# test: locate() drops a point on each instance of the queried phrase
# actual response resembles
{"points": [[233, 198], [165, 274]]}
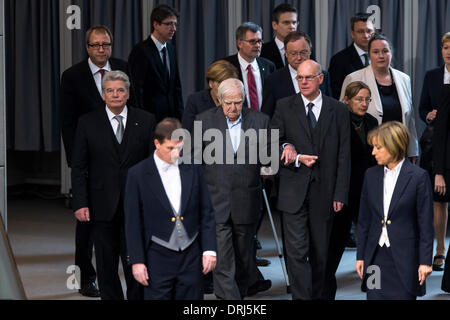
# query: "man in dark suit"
{"points": [[249, 41], [284, 21], [80, 93], [315, 134], [108, 141], [354, 57], [154, 68], [235, 188], [169, 221], [283, 83]]}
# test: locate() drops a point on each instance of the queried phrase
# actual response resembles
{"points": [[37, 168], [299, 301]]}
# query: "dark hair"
{"points": [[354, 88], [297, 35], [359, 17], [379, 36], [160, 13], [282, 8], [247, 26], [166, 128], [99, 29]]}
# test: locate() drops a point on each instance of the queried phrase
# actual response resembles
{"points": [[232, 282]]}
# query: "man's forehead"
{"points": [[251, 34], [114, 83]]}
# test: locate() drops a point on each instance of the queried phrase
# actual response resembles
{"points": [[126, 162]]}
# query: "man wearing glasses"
{"points": [[252, 69], [354, 57], [154, 68], [314, 177], [283, 83], [284, 21], [80, 93]]}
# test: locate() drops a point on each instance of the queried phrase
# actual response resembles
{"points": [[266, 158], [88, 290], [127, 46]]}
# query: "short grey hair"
{"points": [[114, 76], [229, 85], [247, 26]]}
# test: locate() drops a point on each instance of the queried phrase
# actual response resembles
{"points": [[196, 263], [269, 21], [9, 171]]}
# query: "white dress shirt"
{"points": [[316, 110], [255, 67], [96, 74], [294, 79], [170, 176], [389, 182], [281, 48], [446, 75], [115, 122], [361, 53], [235, 132], [160, 46], [171, 179]]}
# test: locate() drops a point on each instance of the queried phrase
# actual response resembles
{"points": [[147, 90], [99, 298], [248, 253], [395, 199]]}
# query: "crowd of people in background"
{"points": [[349, 165]]}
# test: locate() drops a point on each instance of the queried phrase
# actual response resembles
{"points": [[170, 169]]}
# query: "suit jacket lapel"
{"points": [[157, 58], [356, 58], [262, 70], [325, 119], [287, 82], [130, 130], [186, 176], [300, 112], [403, 179], [110, 137], [378, 190], [92, 87], [155, 184]]}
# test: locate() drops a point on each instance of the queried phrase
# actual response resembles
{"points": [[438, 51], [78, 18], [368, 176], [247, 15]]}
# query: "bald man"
{"points": [[314, 177]]}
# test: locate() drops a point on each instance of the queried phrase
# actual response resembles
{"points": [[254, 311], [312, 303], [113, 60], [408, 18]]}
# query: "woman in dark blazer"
{"points": [[441, 158], [432, 87], [395, 225], [207, 99], [357, 98]]}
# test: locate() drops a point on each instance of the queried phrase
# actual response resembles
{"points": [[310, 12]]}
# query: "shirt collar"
{"points": [[317, 101], [95, 69], [239, 121], [446, 74], [280, 44], [111, 115], [244, 64], [359, 50], [158, 44], [293, 72], [163, 166], [396, 170]]}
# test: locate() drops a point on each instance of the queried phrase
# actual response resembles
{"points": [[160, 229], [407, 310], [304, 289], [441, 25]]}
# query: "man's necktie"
{"points": [[311, 116], [252, 92], [102, 72], [366, 59], [166, 70], [120, 129]]}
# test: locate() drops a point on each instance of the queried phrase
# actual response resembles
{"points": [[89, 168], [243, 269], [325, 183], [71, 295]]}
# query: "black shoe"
{"points": [[260, 262], [438, 267], [259, 286], [89, 290]]}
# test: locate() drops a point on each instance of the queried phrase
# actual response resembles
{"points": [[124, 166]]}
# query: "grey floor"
{"points": [[41, 233]]}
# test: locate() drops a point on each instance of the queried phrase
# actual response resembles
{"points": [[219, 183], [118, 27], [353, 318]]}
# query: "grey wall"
{"points": [[2, 119]]}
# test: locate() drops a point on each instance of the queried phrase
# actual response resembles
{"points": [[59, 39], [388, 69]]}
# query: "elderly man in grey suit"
{"points": [[314, 181], [233, 179]]}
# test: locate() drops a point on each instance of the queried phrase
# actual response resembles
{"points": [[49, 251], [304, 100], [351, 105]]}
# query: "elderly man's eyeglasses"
{"points": [[254, 41], [307, 78], [97, 46], [361, 100], [304, 53]]}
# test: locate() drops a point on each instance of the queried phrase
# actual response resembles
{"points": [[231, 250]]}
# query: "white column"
{"points": [[321, 18]]}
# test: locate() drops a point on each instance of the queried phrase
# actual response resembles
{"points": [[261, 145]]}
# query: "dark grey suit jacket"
{"points": [[333, 167], [235, 188]]}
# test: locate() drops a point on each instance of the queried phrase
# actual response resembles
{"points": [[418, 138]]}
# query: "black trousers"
{"points": [[110, 245], [307, 234], [174, 275], [84, 244], [340, 233]]}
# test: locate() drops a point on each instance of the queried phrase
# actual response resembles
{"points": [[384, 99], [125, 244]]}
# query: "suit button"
{"points": [[173, 220], [182, 218], [389, 222], [382, 221]]}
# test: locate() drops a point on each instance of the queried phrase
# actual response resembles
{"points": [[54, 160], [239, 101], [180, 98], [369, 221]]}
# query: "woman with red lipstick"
{"points": [[432, 87], [391, 90]]}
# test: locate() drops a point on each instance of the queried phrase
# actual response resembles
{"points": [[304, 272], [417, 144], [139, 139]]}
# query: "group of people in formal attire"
{"points": [[348, 154]]}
